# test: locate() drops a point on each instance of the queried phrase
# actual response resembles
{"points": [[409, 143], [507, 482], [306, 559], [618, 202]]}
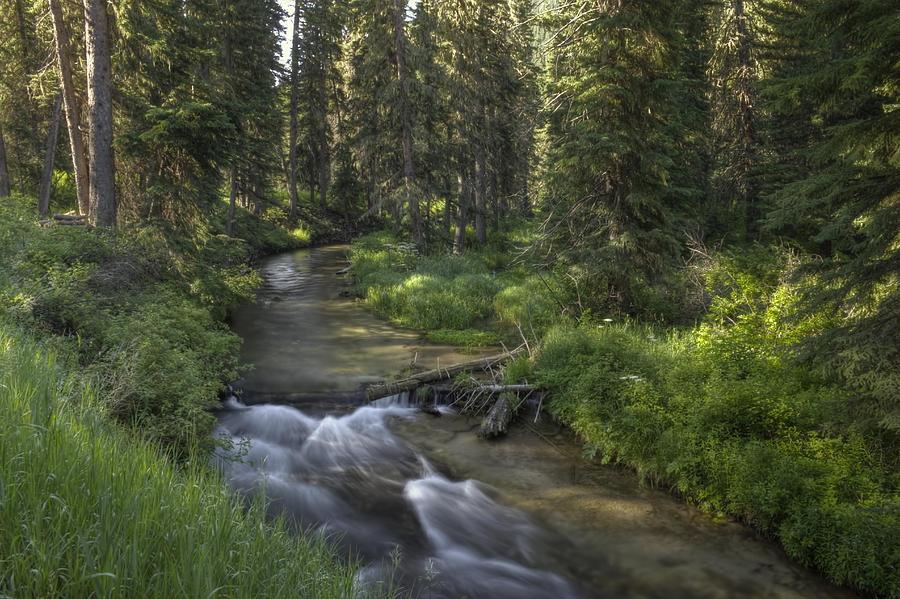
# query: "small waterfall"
{"points": [[350, 477]]}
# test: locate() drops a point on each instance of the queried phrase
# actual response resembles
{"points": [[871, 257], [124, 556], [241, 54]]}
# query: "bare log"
{"points": [[387, 389], [496, 422]]}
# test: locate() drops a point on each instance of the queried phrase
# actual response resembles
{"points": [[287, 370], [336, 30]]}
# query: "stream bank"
{"points": [[455, 515]]}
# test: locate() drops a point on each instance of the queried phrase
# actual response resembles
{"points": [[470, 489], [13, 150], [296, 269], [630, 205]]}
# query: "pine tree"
{"points": [[844, 86], [619, 194], [318, 52], [733, 75]]}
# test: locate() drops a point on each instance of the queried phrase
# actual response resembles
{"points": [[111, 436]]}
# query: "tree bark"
{"points": [[324, 158], [4, 169], [73, 110], [409, 176], [294, 106], [746, 124], [480, 186], [462, 214], [49, 158], [100, 115], [232, 199], [496, 421], [24, 42]]}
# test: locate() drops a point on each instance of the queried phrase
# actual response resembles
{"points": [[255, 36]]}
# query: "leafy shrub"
{"points": [[142, 310], [734, 427]]}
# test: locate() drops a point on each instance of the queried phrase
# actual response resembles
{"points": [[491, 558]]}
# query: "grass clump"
{"points": [[422, 292], [466, 338], [87, 511], [445, 293]]}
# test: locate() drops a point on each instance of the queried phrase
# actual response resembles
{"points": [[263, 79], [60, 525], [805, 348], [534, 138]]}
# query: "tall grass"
{"points": [[86, 510], [448, 292]]}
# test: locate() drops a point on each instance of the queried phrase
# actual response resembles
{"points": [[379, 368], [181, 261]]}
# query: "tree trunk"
{"points": [[49, 157], [409, 176], [73, 110], [746, 123], [324, 159], [294, 106], [28, 70], [232, 199], [4, 169], [480, 186], [380, 390], [462, 214], [100, 114]]}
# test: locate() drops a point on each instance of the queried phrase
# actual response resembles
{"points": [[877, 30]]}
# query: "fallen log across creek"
{"points": [[386, 389]]}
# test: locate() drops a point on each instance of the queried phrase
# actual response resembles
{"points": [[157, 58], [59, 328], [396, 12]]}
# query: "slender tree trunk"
{"points": [[73, 110], [229, 71], [480, 195], [462, 214], [100, 114], [232, 199], [4, 169], [49, 157], [294, 106], [324, 157], [27, 66], [746, 122], [409, 175]]}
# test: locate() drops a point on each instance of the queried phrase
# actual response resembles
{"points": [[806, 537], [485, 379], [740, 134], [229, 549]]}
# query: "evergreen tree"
{"points": [[620, 194], [845, 86], [733, 76], [319, 51]]}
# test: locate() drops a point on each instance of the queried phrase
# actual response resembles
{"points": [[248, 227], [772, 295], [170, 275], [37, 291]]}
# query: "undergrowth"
{"points": [[723, 414], [89, 512], [468, 300], [142, 309]]}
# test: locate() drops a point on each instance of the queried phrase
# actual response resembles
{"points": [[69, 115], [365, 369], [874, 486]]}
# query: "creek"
{"points": [[423, 503]]}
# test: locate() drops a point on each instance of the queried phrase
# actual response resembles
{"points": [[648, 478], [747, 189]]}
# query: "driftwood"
{"points": [[66, 220], [496, 422], [387, 389]]}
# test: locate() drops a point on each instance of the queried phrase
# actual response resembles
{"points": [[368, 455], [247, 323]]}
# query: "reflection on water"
{"points": [[304, 335], [424, 500]]}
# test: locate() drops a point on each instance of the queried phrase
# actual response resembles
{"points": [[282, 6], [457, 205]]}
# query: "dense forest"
{"points": [[690, 212]]}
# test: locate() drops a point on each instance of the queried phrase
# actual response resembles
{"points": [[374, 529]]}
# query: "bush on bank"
{"points": [[87, 511], [722, 414], [477, 290], [142, 310]]}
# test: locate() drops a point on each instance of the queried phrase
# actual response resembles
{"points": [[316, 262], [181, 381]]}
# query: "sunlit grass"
{"points": [[86, 510]]}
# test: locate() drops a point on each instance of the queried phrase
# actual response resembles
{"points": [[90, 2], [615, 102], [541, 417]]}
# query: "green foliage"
{"points": [[467, 338], [719, 414], [97, 514], [140, 311], [444, 292], [528, 302]]}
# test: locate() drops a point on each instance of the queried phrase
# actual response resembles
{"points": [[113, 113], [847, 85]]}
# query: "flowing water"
{"points": [[424, 503]]}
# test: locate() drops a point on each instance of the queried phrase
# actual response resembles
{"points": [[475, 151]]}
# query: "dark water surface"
{"points": [[421, 496]]}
